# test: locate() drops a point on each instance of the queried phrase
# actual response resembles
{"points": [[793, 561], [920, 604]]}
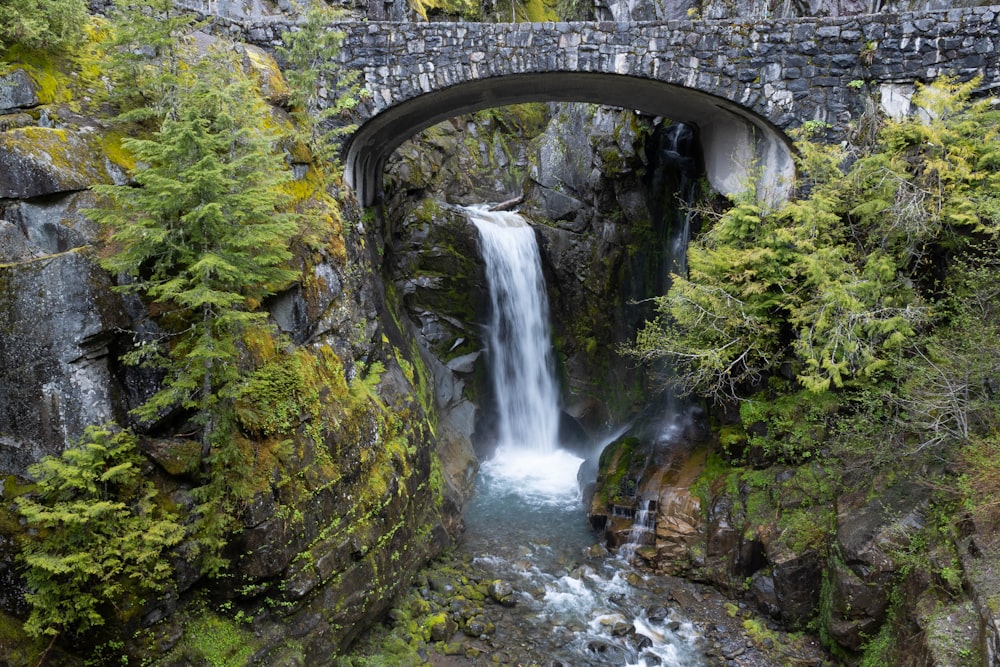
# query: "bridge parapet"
{"points": [[760, 77]]}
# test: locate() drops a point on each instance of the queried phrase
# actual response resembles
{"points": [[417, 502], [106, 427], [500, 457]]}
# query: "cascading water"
{"points": [[519, 351], [674, 184], [518, 332], [526, 522]]}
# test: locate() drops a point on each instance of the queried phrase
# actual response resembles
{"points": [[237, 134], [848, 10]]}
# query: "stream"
{"points": [[574, 603]]}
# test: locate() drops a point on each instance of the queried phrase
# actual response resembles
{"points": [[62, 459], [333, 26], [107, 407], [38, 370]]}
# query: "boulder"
{"points": [[17, 91], [501, 591]]}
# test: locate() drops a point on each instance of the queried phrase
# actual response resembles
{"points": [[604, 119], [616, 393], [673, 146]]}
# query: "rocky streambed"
{"points": [[531, 584]]}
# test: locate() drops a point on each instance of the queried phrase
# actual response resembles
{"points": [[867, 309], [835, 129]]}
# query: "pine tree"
{"points": [[96, 536], [148, 58], [42, 24], [310, 52], [204, 237]]}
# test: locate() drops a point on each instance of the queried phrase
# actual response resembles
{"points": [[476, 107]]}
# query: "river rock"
{"points": [[478, 626], [502, 592], [441, 627]]}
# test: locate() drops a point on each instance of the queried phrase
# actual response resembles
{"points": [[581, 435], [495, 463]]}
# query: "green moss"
{"points": [[717, 471], [615, 462], [538, 10], [16, 647], [44, 70], [111, 146], [216, 640]]}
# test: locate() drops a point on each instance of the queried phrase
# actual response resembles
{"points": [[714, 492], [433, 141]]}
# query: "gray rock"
{"points": [[17, 91], [57, 315], [501, 591], [37, 161], [557, 205]]}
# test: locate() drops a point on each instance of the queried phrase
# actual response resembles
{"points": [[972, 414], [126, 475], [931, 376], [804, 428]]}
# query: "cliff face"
{"points": [[350, 501]]}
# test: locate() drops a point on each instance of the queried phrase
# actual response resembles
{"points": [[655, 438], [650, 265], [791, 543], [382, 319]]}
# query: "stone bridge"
{"points": [[743, 83]]}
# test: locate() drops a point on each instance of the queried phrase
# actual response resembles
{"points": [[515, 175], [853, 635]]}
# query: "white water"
{"points": [[519, 344], [526, 522]]}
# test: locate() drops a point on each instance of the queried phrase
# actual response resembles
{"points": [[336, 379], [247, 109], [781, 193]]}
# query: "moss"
{"points": [[216, 640], [16, 647], [111, 146], [717, 473], [615, 462], [460, 8], [44, 70], [538, 10]]}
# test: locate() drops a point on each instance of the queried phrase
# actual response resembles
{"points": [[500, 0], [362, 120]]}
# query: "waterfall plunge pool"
{"points": [[576, 605]]}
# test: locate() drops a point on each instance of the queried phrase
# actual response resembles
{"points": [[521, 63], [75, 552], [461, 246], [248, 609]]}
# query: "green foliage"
{"points": [[204, 236], [310, 53], [787, 424], [859, 287], [95, 536], [933, 184], [205, 239], [147, 58], [218, 641], [42, 24]]}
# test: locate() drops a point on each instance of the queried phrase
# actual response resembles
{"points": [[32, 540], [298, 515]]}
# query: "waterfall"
{"points": [[527, 461], [675, 180], [643, 531], [675, 177], [518, 339]]}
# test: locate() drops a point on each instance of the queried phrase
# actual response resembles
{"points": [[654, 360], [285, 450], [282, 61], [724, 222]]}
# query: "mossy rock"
{"points": [[177, 456], [262, 64], [36, 161]]}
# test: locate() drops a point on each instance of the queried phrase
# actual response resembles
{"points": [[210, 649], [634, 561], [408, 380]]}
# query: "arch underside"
{"points": [[740, 147]]}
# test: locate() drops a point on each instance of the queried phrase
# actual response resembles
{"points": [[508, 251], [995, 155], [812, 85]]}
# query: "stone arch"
{"points": [[739, 146]]}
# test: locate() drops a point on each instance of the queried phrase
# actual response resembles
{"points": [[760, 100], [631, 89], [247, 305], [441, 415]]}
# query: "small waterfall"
{"points": [[678, 166], [643, 531], [519, 343]]}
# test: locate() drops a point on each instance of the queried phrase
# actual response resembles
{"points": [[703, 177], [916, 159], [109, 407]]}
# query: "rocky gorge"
{"points": [[391, 414]]}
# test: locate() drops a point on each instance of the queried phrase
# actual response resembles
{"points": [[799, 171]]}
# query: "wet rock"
{"points": [[869, 531], [441, 584], [597, 551], [502, 592], [797, 579], [762, 590], [657, 614], [622, 628], [441, 627], [177, 456], [478, 626]]}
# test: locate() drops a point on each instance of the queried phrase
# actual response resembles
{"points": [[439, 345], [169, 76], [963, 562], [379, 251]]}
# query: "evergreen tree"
{"points": [[310, 52], [42, 24], [148, 57], [96, 537], [835, 285], [204, 237]]}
